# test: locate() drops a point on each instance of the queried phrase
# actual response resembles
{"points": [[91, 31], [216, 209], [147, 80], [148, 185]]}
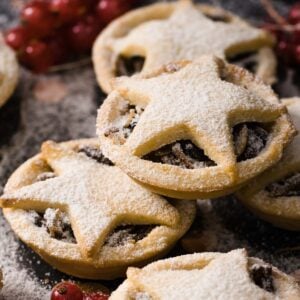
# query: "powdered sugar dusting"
{"points": [[19, 283], [187, 34], [209, 275], [191, 100], [232, 226]]}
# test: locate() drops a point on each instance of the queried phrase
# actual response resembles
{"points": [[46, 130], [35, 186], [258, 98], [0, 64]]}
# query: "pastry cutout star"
{"points": [[96, 197], [188, 34], [193, 277], [195, 103]]}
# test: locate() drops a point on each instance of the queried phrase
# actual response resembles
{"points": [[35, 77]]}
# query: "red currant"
{"points": [[96, 296], [285, 51], [294, 14], [66, 291], [37, 56], [38, 18], [296, 53], [82, 34], [17, 37], [111, 9], [68, 10], [58, 48]]}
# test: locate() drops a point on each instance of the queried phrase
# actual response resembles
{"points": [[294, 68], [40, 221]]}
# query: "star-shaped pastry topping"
{"points": [[198, 276], [96, 197], [193, 103], [188, 34]]}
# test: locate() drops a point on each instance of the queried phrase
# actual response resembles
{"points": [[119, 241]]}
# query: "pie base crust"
{"points": [[9, 72], [110, 262]]}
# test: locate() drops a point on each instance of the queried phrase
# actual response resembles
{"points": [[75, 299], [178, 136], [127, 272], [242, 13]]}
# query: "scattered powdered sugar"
{"points": [[232, 226], [73, 117], [19, 283]]}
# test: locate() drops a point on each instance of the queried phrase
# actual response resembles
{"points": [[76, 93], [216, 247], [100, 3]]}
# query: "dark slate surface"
{"points": [[25, 122]]}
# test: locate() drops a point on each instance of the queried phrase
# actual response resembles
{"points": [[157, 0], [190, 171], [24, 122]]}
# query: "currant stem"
{"points": [[273, 13]]}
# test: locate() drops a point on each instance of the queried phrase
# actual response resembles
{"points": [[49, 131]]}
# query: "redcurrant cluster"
{"points": [[287, 33], [53, 32], [70, 291]]}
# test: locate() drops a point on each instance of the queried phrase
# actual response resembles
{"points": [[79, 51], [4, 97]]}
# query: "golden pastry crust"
{"points": [[9, 72], [183, 101], [113, 199], [166, 32], [1, 280], [282, 211], [206, 276]]}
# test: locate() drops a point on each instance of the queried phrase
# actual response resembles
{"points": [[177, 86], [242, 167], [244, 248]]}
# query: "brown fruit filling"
{"points": [[182, 153], [95, 153], [128, 66], [287, 187], [245, 60], [249, 140], [55, 222], [125, 234], [58, 226], [262, 277]]}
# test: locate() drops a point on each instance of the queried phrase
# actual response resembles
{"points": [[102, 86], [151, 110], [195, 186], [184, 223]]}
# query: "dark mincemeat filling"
{"points": [[45, 176], [129, 117], [245, 60], [262, 276], [125, 234], [134, 112], [58, 226], [218, 18], [128, 66], [287, 187], [56, 223], [96, 154], [182, 153], [249, 140]]}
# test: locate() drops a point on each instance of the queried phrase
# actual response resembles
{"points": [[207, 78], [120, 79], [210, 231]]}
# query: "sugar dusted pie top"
{"points": [[187, 34], [193, 101], [206, 276], [96, 197]]}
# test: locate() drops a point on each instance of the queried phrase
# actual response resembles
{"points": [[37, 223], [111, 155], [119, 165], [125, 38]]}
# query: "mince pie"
{"points": [[146, 38], [275, 194], [87, 218], [208, 275], [193, 129], [9, 72]]}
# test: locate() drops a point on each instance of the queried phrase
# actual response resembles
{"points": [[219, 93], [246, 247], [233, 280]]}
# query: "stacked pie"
{"points": [[275, 194], [183, 120]]}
